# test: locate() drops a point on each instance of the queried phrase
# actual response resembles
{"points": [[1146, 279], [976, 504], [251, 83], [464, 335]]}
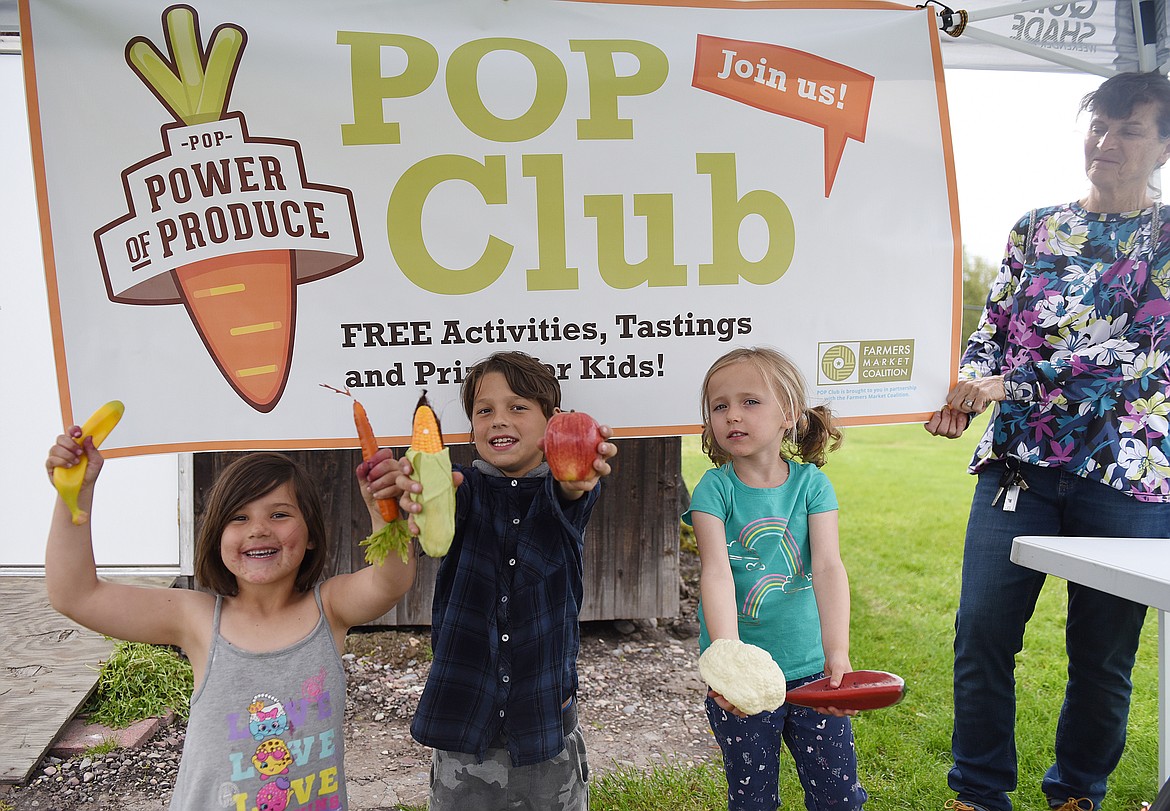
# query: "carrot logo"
{"points": [[220, 221], [790, 83]]}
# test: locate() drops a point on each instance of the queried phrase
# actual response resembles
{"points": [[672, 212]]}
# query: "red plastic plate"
{"points": [[859, 690]]}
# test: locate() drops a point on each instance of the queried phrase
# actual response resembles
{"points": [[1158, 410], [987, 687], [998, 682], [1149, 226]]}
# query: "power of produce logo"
{"points": [[843, 362], [220, 221]]}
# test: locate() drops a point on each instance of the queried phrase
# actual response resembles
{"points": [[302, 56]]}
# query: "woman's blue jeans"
{"points": [[1101, 638]]}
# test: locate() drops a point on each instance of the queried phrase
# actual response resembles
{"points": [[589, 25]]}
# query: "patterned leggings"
{"points": [[821, 747]]}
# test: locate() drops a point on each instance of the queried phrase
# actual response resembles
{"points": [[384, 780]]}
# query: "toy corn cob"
{"points": [[68, 480], [430, 463]]}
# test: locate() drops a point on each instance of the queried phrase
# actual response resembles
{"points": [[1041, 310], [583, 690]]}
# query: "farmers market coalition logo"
{"points": [[220, 221], [864, 362]]}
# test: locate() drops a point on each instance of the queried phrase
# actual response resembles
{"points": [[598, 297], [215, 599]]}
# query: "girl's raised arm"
{"points": [[138, 614], [358, 597]]}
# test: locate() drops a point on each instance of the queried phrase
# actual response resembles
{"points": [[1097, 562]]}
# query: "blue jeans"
{"points": [[1101, 638], [821, 747]]}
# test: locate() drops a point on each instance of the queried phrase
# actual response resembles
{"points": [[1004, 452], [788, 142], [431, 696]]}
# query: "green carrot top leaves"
{"points": [[193, 84]]}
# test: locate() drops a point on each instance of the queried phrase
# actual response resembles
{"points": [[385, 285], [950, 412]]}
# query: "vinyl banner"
{"points": [[246, 203]]}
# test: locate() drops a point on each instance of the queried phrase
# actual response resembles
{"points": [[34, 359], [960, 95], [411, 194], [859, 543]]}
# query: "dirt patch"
{"points": [[640, 704]]}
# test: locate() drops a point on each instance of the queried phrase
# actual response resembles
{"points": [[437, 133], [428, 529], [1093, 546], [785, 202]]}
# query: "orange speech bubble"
{"points": [[790, 83]]}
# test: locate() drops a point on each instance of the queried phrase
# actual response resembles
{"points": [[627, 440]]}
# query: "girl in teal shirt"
{"points": [[766, 523]]}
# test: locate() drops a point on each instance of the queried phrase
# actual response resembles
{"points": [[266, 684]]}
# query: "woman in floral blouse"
{"points": [[1073, 355]]}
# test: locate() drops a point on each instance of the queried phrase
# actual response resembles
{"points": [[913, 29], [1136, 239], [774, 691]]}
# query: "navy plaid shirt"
{"points": [[504, 626]]}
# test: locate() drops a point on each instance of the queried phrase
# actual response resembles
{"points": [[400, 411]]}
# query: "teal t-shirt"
{"points": [[771, 560]]}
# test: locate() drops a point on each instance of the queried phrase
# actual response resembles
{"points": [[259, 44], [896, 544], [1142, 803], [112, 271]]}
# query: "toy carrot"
{"points": [[395, 536], [430, 462]]}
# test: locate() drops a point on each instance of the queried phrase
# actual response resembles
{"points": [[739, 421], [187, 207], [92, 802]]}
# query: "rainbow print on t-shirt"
{"points": [[770, 542]]}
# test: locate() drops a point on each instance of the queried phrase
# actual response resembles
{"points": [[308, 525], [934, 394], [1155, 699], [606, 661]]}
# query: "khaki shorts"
{"points": [[459, 783]]}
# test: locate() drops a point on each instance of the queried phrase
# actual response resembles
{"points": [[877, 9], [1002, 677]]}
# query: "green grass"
{"points": [[140, 681], [678, 788], [101, 749], [904, 497]]}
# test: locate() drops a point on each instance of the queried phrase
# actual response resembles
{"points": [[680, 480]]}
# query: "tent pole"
{"points": [[1007, 8], [1147, 45]]}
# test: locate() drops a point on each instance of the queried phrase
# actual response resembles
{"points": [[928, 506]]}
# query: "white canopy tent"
{"points": [[1094, 36]]}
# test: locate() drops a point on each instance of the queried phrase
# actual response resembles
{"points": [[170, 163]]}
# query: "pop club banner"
{"points": [[243, 202]]}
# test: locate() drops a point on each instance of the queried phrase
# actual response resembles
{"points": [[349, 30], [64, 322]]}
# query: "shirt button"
{"points": [[512, 562], [515, 520], [504, 638], [514, 482], [501, 713], [504, 599], [505, 679]]}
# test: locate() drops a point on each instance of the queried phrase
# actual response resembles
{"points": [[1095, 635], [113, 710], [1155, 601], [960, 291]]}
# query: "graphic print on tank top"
{"points": [[289, 745]]}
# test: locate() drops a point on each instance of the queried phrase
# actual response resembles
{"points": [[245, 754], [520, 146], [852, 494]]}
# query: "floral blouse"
{"points": [[1078, 324]]}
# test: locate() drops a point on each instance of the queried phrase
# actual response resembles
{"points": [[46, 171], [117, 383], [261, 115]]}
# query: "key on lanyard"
{"points": [[1004, 480], [1010, 485]]}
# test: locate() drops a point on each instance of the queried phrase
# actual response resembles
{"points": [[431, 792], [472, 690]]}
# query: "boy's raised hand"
{"points": [[606, 450], [409, 507]]}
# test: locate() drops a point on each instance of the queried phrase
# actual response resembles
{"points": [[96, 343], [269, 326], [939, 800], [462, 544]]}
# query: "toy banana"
{"points": [[68, 480], [430, 463]]}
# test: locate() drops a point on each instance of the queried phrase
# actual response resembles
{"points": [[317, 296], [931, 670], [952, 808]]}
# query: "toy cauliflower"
{"points": [[746, 675], [430, 462]]}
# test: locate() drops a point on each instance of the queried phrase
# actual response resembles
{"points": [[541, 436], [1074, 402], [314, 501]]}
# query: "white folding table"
{"points": [[1137, 569]]}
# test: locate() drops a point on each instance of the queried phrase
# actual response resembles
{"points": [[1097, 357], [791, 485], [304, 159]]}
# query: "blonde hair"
{"points": [[815, 432]]}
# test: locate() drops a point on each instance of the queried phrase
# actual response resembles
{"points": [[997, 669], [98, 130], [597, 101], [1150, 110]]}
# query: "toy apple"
{"points": [[570, 445]]}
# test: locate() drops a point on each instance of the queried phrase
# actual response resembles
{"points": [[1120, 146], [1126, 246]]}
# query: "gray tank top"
{"points": [[266, 729]]}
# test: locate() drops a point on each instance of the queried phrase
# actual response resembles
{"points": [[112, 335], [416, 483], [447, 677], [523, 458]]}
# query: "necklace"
{"points": [[1150, 241], [1151, 235]]}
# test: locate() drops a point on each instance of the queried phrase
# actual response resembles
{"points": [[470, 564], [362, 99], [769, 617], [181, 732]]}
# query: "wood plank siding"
{"points": [[631, 545]]}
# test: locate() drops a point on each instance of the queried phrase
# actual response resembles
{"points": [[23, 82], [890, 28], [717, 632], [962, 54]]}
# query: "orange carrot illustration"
{"points": [[243, 304]]}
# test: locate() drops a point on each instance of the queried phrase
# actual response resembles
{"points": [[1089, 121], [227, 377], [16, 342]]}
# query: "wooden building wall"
{"points": [[631, 545]]}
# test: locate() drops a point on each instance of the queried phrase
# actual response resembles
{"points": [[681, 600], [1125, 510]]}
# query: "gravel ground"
{"points": [[640, 704]]}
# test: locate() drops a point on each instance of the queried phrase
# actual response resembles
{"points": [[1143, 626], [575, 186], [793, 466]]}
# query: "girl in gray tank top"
{"points": [[265, 730]]}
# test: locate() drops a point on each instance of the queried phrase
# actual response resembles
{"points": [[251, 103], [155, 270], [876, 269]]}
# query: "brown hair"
{"points": [[247, 479], [526, 376], [1119, 94], [815, 432]]}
